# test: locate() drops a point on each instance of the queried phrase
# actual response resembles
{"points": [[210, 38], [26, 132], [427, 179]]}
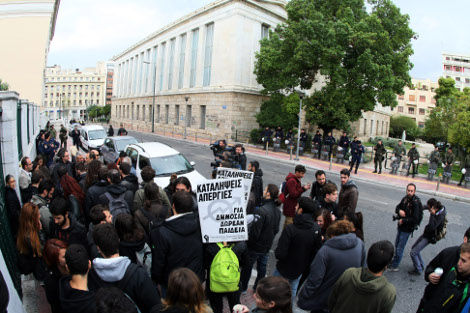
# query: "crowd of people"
{"points": [[101, 242]]}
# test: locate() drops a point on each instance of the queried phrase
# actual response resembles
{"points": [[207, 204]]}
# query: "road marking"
{"points": [[372, 200]]}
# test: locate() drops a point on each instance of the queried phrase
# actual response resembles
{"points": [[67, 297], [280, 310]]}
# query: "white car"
{"points": [[164, 160], [92, 137]]}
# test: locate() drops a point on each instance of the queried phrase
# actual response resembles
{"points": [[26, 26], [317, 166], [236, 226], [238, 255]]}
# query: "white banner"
{"points": [[222, 213], [229, 173]]}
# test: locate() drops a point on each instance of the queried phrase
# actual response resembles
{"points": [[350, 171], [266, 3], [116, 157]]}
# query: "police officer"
{"points": [[317, 141], [434, 159], [328, 142], [49, 146], [413, 155], [303, 141], [448, 163], [465, 165], [379, 156], [279, 133], [398, 152], [343, 143], [266, 135], [356, 152]]}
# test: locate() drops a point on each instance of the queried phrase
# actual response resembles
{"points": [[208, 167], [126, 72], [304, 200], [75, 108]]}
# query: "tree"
{"points": [[279, 111], [362, 58], [105, 110], [93, 111], [4, 86], [459, 132], [401, 123]]}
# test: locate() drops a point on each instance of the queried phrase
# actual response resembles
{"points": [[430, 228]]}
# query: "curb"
{"points": [[293, 162]]}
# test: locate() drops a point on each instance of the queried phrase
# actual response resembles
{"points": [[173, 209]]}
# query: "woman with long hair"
{"points": [[170, 188], [324, 220], [131, 235], [12, 203], [74, 193], [184, 291], [54, 256], [39, 164], [29, 242], [92, 173], [357, 219], [183, 184]]}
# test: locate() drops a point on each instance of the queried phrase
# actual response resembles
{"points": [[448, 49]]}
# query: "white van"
{"points": [[92, 136]]}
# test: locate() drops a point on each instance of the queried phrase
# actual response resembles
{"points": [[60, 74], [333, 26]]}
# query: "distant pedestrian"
{"points": [[12, 203], [63, 137], [111, 131], [348, 196], [292, 192], [122, 131], [75, 134]]}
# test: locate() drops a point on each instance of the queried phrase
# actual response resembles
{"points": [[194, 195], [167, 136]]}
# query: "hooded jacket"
{"points": [[264, 227], [257, 186], [131, 278], [347, 199], [115, 191], [297, 246], [76, 232], [177, 243], [44, 213], [92, 248], [129, 249], [139, 197], [359, 291], [436, 222], [74, 300], [131, 183], [334, 257], [293, 191], [92, 195]]}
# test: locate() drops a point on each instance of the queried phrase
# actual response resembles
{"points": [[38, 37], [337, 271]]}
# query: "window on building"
{"points": [[412, 97], [386, 128], [371, 127], [382, 131], [45, 95], [128, 112], [264, 31], [150, 113], [401, 97], [158, 113], [447, 67], [146, 70], [133, 111], [447, 58], [141, 65], [422, 111], [181, 61], [365, 126], [192, 78], [143, 112], [138, 113], [203, 117], [457, 79], [458, 69], [377, 128], [177, 114], [421, 124], [154, 63], [467, 80], [162, 65], [167, 113], [171, 64], [422, 98], [208, 54], [188, 116], [411, 110]]}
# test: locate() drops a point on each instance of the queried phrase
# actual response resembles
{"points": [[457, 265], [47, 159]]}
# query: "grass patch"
{"points": [[456, 172]]}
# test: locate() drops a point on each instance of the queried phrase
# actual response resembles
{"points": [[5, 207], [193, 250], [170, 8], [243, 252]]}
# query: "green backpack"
{"points": [[225, 270]]}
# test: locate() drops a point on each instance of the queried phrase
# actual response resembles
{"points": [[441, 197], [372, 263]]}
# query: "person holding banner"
{"points": [[261, 235]]}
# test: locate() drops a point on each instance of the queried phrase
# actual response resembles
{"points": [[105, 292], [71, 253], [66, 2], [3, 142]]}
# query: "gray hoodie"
{"points": [[111, 270]]}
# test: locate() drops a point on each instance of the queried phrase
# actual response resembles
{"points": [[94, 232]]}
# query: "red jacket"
{"points": [[293, 192]]}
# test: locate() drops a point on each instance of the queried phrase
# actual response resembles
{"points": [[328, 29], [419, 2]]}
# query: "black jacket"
{"points": [[76, 233], [13, 208], [131, 183], [116, 191], [111, 131], [130, 249], [257, 186], [446, 259], [264, 227], [178, 243], [331, 206], [92, 248], [241, 159], [55, 170], [92, 195], [436, 222], [74, 300], [28, 193], [122, 131], [316, 192], [75, 134], [411, 208], [297, 246]]}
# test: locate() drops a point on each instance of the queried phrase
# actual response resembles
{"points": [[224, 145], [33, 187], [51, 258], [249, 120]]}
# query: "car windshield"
{"points": [[172, 164], [122, 144], [96, 134]]}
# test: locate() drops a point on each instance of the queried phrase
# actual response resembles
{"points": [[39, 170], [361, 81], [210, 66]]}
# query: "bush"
{"points": [[398, 124], [255, 135]]}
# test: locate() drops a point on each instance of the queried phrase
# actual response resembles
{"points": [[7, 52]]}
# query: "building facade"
{"points": [[418, 101], [109, 82], [68, 93], [457, 66], [200, 69]]}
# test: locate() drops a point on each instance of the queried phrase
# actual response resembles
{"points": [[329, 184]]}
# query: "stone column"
{"points": [[24, 125]]}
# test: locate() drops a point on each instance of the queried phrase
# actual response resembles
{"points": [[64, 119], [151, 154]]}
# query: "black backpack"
{"points": [[420, 212], [154, 222], [117, 205]]}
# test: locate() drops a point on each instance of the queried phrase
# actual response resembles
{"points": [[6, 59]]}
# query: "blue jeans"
{"points": [[415, 254], [261, 260], [294, 283], [400, 243]]}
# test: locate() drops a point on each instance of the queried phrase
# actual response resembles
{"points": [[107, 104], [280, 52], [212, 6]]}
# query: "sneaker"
{"points": [[414, 272], [392, 269], [355, 172], [244, 292], [374, 172], [380, 172]]}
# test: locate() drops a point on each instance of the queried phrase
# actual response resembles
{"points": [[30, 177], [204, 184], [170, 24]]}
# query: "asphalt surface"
{"points": [[377, 203]]}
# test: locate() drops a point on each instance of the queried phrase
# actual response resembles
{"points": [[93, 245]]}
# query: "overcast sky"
{"points": [[88, 31]]}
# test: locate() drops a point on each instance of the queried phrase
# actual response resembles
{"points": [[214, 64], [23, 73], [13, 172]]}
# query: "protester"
{"points": [[183, 184], [28, 193], [170, 188], [54, 256], [317, 193], [342, 251], [110, 131], [177, 242], [324, 220], [63, 225], [99, 214], [74, 194], [25, 173], [261, 235], [292, 192], [215, 296], [257, 184], [97, 178], [408, 219], [437, 218], [117, 271], [357, 220], [40, 165], [80, 173], [450, 291], [348, 195], [185, 294], [73, 290], [364, 290], [75, 134], [113, 300], [64, 161], [30, 242], [131, 237], [328, 201], [298, 244], [116, 192], [42, 199], [148, 174], [12, 203], [129, 180]]}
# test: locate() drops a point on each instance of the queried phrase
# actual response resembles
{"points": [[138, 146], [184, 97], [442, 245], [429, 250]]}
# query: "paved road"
{"points": [[376, 201]]}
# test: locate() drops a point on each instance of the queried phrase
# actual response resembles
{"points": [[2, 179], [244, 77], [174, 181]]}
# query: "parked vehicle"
{"points": [[113, 146], [92, 137]]}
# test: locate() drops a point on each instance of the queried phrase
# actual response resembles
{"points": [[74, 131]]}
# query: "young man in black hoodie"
{"points": [[177, 242], [63, 225], [96, 190], [298, 244], [129, 180], [115, 190], [257, 185], [73, 290]]}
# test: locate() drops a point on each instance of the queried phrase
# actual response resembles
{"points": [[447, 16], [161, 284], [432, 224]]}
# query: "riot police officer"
{"points": [[316, 142], [266, 136], [303, 141], [343, 146], [328, 143], [356, 152], [448, 163], [379, 156], [434, 159], [398, 153], [465, 167], [413, 159]]}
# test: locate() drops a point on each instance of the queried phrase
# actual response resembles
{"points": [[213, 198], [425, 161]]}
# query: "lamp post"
{"points": [[186, 116], [154, 95], [301, 95]]}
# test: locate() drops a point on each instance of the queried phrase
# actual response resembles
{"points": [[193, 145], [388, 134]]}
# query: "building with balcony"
{"points": [[68, 93], [418, 101], [457, 66], [207, 56]]}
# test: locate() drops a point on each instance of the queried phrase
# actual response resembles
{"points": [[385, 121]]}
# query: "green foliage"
{"points": [[105, 110], [446, 89], [255, 135], [362, 58], [459, 131], [4, 86], [434, 130], [93, 111], [279, 110], [401, 123]]}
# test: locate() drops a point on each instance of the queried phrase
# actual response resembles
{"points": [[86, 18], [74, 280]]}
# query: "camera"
{"points": [[396, 217]]}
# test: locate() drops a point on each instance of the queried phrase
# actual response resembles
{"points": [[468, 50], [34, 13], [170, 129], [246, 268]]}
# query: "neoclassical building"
{"points": [[200, 69]]}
